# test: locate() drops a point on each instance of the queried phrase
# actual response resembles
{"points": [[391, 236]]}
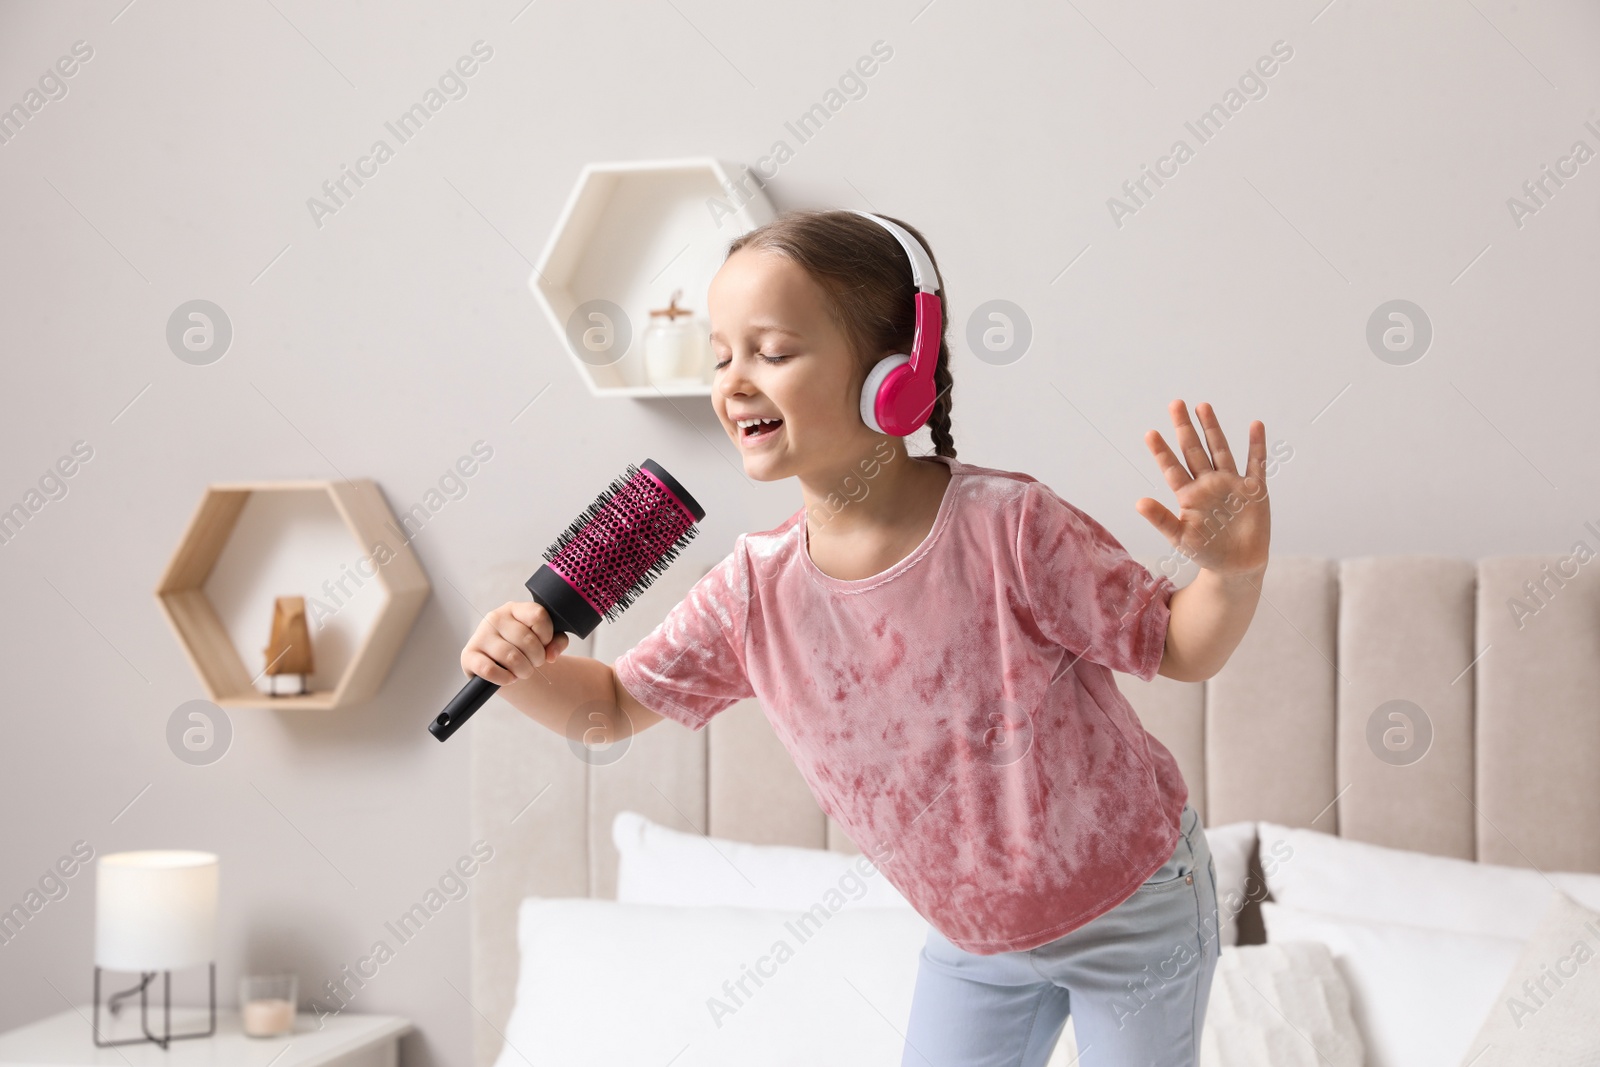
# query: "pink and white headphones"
{"points": [[897, 397]]}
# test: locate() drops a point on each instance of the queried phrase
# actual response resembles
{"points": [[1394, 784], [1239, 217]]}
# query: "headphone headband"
{"points": [[922, 268]]}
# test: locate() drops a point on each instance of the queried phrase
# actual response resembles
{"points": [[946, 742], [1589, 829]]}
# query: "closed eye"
{"points": [[763, 355]]}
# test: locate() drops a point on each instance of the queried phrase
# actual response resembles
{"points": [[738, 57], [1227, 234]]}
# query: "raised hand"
{"points": [[1224, 522]]}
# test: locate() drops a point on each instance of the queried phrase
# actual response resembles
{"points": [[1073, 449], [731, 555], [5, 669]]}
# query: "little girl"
{"points": [[933, 643]]}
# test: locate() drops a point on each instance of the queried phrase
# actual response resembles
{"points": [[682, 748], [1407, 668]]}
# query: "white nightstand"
{"points": [[345, 1040]]}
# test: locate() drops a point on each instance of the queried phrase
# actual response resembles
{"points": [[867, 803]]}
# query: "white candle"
{"points": [[268, 1018]]}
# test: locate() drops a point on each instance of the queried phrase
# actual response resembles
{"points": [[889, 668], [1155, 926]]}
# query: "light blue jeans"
{"points": [[1135, 981]]}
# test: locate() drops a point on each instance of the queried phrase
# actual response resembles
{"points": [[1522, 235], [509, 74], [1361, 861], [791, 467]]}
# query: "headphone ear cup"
{"points": [[870, 387]]}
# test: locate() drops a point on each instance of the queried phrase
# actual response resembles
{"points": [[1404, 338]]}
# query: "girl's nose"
{"points": [[733, 381]]}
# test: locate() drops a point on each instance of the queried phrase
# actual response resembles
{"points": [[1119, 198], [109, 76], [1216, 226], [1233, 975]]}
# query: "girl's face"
{"points": [[780, 355]]}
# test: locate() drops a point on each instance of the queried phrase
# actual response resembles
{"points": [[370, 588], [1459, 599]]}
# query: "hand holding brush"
{"points": [[596, 568]]}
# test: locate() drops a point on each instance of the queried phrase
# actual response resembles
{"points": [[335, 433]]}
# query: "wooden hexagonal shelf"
{"points": [[205, 639], [632, 233]]}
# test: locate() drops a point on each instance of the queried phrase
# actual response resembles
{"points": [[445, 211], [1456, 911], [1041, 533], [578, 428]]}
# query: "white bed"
{"points": [[1278, 739]]}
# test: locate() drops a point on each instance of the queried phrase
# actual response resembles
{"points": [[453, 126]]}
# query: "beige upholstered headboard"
{"points": [[1512, 696]]}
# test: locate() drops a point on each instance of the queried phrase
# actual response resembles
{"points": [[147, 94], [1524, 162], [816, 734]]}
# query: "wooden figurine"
{"points": [[289, 649]]}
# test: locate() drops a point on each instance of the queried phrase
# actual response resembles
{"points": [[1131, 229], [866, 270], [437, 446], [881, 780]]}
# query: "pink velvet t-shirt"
{"points": [[955, 713]]}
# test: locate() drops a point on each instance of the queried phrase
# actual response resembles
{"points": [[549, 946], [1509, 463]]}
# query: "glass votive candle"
{"points": [[266, 1004]]}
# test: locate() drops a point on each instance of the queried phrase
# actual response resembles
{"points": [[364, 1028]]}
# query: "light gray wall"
{"points": [[1377, 166]]}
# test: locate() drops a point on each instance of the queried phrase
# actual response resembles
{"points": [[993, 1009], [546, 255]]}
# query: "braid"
{"points": [[939, 421]]}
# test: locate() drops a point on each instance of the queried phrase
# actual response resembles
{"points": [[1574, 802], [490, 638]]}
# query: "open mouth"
{"points": [[760, 432]]}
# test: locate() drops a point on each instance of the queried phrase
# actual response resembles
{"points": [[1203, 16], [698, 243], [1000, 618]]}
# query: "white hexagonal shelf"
{"points": [[633, 234]]}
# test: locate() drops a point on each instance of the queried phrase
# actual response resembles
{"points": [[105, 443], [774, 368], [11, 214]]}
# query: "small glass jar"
{"points": [[267, 1004], [677, 352]]}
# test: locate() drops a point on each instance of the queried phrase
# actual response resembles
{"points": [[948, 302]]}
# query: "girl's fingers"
{"points": [[1169, 524], [478, 663], [1188, 440], [524, 640], [1172, 469], [532, 614], [1221, 458], [511, 656], [1257, 462]]}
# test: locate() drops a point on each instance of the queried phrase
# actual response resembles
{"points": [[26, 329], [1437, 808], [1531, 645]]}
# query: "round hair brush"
{"points": [[599, 564]]}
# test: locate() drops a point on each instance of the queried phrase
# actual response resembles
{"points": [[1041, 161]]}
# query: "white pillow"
{"points": [[603, 982], [659, 865], [606, 983], [1232, 844], [1418, 994], [1546, 1013], [1315, 871], [1280, 1005]]}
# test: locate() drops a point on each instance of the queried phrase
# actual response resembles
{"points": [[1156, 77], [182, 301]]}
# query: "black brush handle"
{"points": [[473, 696], [551, 592]]}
